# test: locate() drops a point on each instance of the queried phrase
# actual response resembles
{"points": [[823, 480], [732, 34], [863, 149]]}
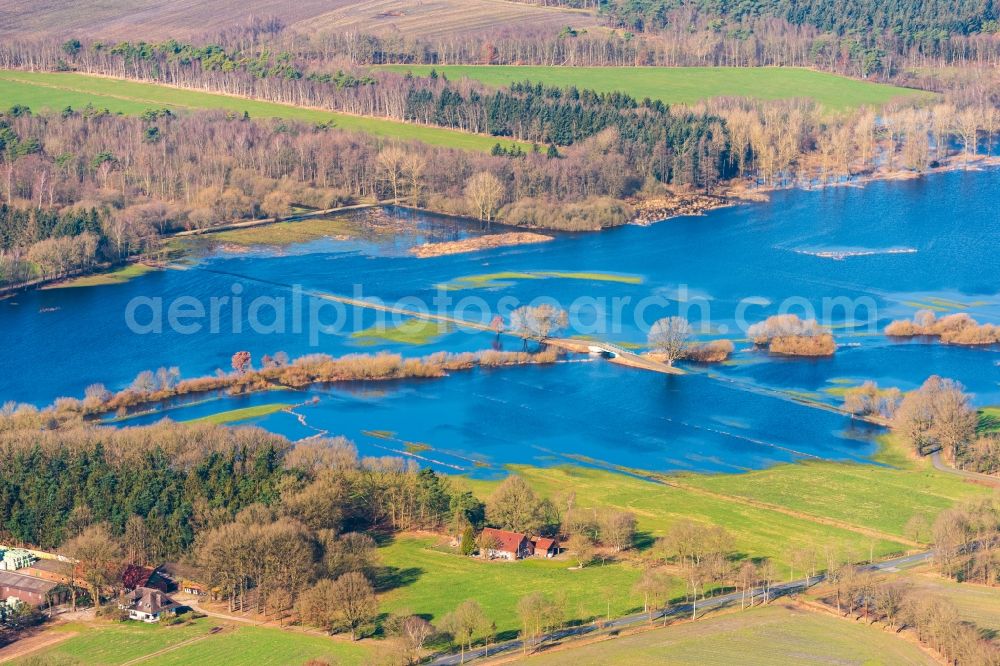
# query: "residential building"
{"points": [[147, 605], [505, 545]]}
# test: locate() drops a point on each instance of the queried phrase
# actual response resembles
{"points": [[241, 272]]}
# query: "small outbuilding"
{"points": [[544, 547]]}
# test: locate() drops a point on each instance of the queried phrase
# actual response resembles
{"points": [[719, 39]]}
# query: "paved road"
{"points": [[941, 466], [674, 611]]}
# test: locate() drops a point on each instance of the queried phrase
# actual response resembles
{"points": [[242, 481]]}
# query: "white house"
{"points": [[147, 605]]}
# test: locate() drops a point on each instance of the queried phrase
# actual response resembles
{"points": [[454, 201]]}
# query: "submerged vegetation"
{"points": [[410, 332], [506, 278]]}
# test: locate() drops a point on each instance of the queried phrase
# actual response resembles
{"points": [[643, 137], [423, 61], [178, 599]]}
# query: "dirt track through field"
{"points": [[26, 646], [151, 655]]}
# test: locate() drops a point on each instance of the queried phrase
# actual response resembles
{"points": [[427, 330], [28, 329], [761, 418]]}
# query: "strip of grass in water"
{"points": [[843, 389], [417, 447], [287, 233], [925, 306], [506, 278], [410, 332], [116, 276], [632, 346], [235, 415]]}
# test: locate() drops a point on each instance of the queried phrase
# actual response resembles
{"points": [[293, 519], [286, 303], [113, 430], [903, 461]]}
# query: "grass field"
{"points": [[979, 604], [236, 415], [107, 644], [757, 532], [777, 634], [883, 497], [117, 276], [434, 579], [989, 419], [688, 84], [282, 234], [56, 90], [861, 499]]}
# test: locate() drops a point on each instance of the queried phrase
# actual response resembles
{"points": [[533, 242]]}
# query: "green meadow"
{"points": [[882, 496], [57, 90], [107, 643], [757, 532], [777, 634], [433, 579], [116, 276], [848, 511], [989, 419], [686, 85]]}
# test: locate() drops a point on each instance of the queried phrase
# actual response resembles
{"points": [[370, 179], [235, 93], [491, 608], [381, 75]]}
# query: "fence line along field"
{"points": [[57, 90], [686, 85]]}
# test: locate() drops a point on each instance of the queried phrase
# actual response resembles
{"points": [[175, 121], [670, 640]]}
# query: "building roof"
{"points": [[180, 571], [148, 600], [135, 576], [25, 583], [53, 566], [507, 542], [541, 543]]}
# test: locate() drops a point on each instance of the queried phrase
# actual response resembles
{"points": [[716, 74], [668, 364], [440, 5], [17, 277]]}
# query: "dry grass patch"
{"points": [[443, 17]]}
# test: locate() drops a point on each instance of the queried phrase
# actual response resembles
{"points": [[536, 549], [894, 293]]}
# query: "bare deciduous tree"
{"points": [[485, 193], [669, 337]]}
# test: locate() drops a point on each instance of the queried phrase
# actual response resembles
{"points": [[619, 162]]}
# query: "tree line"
{"points": [[871, 40]]}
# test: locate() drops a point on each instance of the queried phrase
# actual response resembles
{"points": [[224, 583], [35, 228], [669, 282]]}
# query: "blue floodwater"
{"points": [[884, 251]]}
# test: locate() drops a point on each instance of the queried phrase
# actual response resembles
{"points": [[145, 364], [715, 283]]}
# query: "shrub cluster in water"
{"points": [[150, 387], [954, 329], [792, 336]]}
